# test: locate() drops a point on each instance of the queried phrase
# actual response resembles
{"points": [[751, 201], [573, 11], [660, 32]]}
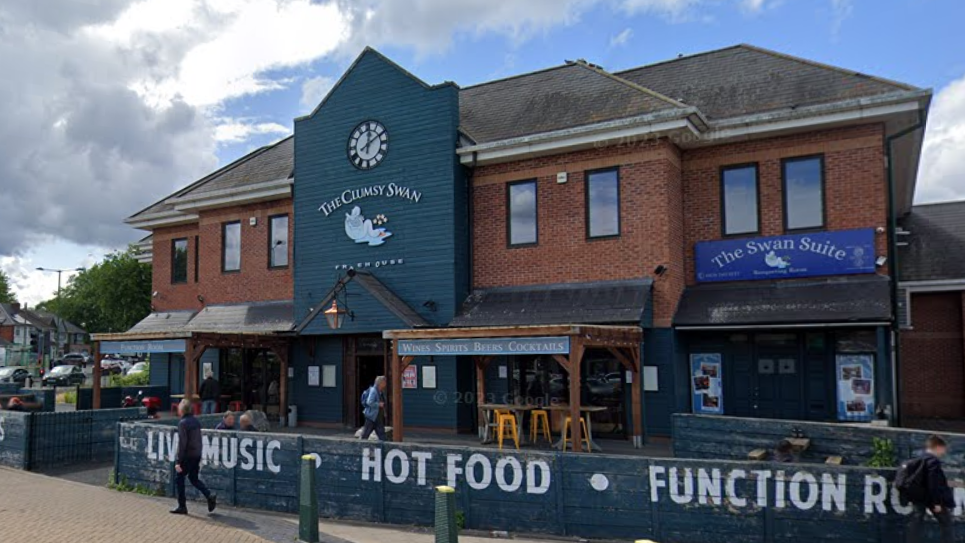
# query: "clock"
{"points": [[368, 145]]}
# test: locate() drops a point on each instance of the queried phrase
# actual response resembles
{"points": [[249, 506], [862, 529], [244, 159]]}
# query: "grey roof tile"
{"points": [[836, 300], [744, 79], [604, 302], [936, 243], [557, 98]]}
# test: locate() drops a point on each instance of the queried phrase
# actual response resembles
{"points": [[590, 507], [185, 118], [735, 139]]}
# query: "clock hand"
{"points": [[369, 143]]}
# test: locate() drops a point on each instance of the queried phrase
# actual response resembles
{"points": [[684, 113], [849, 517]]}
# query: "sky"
{"points": [[109, 105]]}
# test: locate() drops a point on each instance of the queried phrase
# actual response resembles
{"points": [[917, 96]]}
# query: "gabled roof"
{"points": [[935, 243], [270, 163], [744, 79], [567, 96]]}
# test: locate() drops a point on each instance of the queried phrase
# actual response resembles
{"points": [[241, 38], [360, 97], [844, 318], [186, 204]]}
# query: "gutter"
{"points": [[893, 251]]}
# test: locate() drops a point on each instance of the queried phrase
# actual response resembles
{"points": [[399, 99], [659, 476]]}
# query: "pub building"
{"points": [[712, 234]]}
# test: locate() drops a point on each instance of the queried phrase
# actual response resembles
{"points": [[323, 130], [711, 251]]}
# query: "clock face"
{"points": [[368, 145]]}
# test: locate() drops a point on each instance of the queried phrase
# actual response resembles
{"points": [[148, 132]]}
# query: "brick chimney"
{"points": [[15, 306]]}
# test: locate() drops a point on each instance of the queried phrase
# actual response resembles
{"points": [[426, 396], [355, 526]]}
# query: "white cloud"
{"points": [[942, 171], [314, 90], [235, 131], [841, 10], [622, 38]]}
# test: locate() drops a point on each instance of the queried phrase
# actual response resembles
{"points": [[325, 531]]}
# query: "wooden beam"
{"points": [[576, 357], [282, 355], [481, 363], [621, 357], [405, 361], [562, 361], [97, 373], [397, 431]]}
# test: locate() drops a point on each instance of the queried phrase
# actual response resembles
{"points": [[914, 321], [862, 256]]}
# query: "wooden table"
{"points": [[517, 409], [589, 410]]}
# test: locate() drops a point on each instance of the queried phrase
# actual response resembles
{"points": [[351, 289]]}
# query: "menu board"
{"points": [[707, 383], [856, 387]]}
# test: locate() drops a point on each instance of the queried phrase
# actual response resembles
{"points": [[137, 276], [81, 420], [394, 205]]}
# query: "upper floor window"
{"points": [[231, 247], [803, 192], [603, 204], [278, 241], [521, 208], [179, 260], [739, 189]]}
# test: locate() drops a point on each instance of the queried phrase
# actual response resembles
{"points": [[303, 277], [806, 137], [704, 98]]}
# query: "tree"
{"points": [[111, 296], [6, 293]]}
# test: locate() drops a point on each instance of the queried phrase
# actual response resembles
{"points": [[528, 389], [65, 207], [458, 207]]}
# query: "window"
{"points": [[738, 186], [602, 204], [278, 241], [803, 193], [197, 258], [231, 247], [521, 205], [179, 260]]}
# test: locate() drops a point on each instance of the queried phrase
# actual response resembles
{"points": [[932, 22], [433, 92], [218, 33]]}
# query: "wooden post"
{"points": [[576, 356], [96, 375], [397, 432], [282, 354], [637, 400]]}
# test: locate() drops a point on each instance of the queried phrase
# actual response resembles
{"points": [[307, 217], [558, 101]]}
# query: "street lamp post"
{"points": [[59, 272]]}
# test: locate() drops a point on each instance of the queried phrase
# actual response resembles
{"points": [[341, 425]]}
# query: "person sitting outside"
{"points": [[16, 404], [245, 424], [227, 422]]}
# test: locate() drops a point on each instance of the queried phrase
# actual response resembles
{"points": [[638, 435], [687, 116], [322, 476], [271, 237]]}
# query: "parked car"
{"points": [[140, 367], [65, 376], [122, 364], [110, 366], [74, 359], [13, 375]]}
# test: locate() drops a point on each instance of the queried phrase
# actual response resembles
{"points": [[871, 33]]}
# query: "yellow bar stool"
{"points": [[504, 420], [539, 423], [586, 435]]}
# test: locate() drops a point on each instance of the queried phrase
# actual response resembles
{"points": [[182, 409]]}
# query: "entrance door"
{"points": [[778, 375], [369, 367]]}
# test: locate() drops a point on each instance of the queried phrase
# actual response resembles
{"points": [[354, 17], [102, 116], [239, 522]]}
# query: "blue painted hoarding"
{"points": [[843, 252]]}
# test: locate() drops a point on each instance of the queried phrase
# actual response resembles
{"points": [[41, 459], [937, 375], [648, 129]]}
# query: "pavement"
{"points": [[76, 506]]}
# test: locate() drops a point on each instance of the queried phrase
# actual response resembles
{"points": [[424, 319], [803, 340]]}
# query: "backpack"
{"points": [[365, 397], [911, 482]]}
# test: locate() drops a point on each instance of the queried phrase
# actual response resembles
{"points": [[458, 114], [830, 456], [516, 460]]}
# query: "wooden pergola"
{"points": [[196, 343], [623, 342]]}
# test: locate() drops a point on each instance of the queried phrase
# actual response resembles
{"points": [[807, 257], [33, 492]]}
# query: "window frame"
{"points": [[784, 194], [509, 213], [197, 257], [723, 198], [224, 246], [586, 204], [271, 235], [174, 252]]}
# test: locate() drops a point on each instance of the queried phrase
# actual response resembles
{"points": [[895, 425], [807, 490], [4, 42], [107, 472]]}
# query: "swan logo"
{"points": [[361, 230], [774, 261]]}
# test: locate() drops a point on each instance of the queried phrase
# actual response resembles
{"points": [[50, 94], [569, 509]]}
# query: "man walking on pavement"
{"points": [[210, 394], [373, 408], [936, 497], [188, 462]]}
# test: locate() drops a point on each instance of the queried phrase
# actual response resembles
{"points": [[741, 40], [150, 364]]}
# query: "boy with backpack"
{"points": [[373, 408], [922, 482]]}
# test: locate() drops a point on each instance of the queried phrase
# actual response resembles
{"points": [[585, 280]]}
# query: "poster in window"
{"points": [[313, 376], [856, 385], [328, 376], [429, 377], [410, 377], [707, 384]]}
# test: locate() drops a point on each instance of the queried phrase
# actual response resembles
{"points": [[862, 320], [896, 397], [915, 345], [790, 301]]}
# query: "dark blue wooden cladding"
{"points": [[36, 441], [583, 495], [706, 436]]}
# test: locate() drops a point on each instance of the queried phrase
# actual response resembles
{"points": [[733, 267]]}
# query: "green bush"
{"points": [[139, 379], [70, 397], [883, 454]]}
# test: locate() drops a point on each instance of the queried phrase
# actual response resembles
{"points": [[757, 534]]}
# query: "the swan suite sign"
{"points": [[372, 230], [844, 252]]}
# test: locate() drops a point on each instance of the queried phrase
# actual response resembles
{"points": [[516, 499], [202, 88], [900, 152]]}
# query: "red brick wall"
{"points": [[6, 332], [650, 222], [255, 282], [855, 182], [933, 357]]}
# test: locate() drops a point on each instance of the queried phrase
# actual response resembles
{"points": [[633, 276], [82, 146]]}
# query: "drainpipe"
{"points": [[471, 218], [893, 250]]}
